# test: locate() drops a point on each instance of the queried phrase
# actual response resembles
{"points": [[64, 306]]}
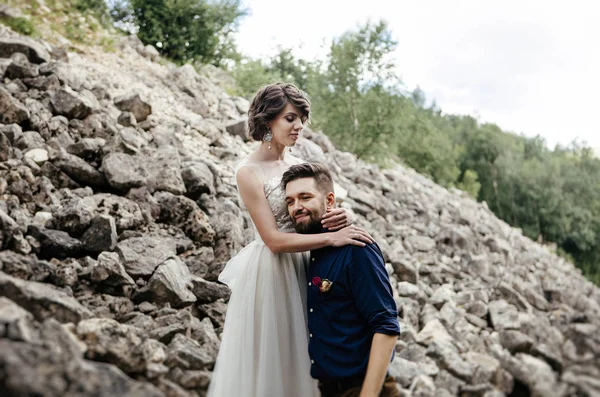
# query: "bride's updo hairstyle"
{"points": [[269, 101]]}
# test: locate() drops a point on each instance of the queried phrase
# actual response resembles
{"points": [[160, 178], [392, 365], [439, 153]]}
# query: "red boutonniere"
{"points": [[323, 284]]}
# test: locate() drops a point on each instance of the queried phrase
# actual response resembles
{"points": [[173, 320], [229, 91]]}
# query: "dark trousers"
{"points": [[351, 388]]}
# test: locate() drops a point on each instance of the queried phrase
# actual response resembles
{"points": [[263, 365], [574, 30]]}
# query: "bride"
{"points": [[264, 349]]}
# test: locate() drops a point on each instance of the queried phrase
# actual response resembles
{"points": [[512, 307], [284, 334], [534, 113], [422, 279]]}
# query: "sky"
{"points": [[532, 67]]}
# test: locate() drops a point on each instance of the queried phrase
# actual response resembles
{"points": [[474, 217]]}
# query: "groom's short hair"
{"points": [[318, 171]]}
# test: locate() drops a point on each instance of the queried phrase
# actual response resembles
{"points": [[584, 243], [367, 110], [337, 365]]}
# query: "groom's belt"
{"points": [[329, 386]]}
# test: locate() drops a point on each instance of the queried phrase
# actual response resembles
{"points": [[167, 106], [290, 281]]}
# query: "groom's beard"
{"points": [[312, 225]]}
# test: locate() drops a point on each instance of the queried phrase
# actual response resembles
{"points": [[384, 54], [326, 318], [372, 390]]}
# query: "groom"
{"points": [[352, 317]]}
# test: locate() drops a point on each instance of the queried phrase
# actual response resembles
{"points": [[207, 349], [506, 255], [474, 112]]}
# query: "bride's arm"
{"points": [[252, 192]]}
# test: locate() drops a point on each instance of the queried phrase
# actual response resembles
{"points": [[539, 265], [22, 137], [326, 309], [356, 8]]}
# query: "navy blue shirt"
{"points": [[343, 320]]}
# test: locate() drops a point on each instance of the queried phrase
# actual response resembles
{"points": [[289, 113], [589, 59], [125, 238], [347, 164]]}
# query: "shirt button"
{"points": [[309, 283], [312, 361], [313, 259], [311, 310], [310, 335]]}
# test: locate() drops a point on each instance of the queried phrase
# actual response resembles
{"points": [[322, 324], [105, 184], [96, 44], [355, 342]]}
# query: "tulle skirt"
{"points": [[264, 349]]}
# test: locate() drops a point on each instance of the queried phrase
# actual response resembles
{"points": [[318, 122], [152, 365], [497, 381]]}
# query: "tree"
{"points": [[250, 75], [469, 183], [356, 94], [184, 30], [428, 150]]}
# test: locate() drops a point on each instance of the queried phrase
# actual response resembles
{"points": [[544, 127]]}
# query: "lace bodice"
{"points": [[273, 192], [276, 198]]}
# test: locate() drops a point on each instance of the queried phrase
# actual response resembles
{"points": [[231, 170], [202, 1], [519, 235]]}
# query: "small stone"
{"points": [[71, 104], [110, 270], [207, 291], [38, 155], [55, 243], [12, 131], [20, 68], [504, 315], [127, 119], [134, 104], [239, 128], [147, 307], [11, 109], [124, 171], [101, 235]]}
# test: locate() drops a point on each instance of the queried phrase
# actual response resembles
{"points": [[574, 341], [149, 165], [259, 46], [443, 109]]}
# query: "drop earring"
{"points": [[268, 137]]}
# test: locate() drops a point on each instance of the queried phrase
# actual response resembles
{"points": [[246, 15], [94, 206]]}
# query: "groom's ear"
{"points": [[330, 200]]}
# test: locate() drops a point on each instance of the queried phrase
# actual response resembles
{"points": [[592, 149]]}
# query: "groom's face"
{"points": [[306, 205]]}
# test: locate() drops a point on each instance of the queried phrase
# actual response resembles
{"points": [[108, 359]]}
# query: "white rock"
{"points": [[38, 155], [434, 331]]}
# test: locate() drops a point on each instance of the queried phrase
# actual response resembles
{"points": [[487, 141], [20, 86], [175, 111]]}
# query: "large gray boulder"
{"points": [[66, 102], [55, 243], [33, 51], [184, 213], [127, 213], [122, 345], [11, 109], [142, 255], [239, 128], [5, 148], [134, 104], [80, 171], [171, 282], [124, 171], [190, 352], [164, 168], [208, 291], [198, 179], [53, 365], [42, 300], [20, 68]]}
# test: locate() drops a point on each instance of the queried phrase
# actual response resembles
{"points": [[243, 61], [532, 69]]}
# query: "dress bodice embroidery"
{"points": [[276, 198]]}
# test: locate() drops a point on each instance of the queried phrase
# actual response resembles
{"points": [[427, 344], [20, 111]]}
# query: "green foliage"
{"points": [[356, 95], [75, 31], [184, 30], [250, 75], [20, 25], [469, 183], [427, 149], [98, 7]]}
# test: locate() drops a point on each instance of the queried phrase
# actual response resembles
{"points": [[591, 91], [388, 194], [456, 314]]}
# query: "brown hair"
{"points": [[269, 101], [317, 171]]}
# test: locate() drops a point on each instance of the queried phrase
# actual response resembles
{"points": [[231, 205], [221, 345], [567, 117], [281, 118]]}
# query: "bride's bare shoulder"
{"points": [[293, 160]]}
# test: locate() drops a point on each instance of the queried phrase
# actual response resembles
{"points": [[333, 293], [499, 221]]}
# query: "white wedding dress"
{"points": [[264, 349]]}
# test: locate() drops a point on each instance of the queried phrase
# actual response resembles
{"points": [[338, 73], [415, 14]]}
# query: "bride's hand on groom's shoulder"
{"points": [[353, 235], [337, 219]]}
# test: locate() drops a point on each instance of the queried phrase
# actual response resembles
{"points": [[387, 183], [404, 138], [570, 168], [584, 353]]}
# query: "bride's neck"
{"points": [[276, 153]]}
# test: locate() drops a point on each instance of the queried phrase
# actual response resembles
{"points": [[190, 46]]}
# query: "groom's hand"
{"points": [[336, 219]]}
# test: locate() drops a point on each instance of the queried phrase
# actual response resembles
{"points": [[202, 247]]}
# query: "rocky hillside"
{"points": [[118, 210]]}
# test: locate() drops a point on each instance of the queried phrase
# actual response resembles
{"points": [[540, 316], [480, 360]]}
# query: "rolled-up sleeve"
{"points": [[372, 290]]}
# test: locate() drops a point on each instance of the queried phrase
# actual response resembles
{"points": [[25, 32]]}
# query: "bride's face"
{"points": [[287, 126]]}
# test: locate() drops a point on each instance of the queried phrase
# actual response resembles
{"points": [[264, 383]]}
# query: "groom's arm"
{"points": [[374, 298], [379, 360]]}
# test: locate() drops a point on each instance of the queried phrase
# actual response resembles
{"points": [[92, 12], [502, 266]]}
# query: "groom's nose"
{"points": [[297, 207]]}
